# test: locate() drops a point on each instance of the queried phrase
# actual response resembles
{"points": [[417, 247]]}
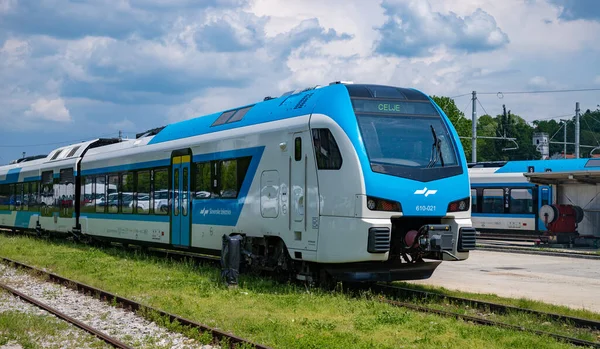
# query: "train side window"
{"points": [[298, 148], [231, 175], [100, 194], [19, 196], [228, 179], [13, 198], [113, 190], [242, 168], [214, 188], [175, 201], [4, 197], [66, 192], [26, 190], [493, 201], [89, 195], [142, 194], [202, 178], [47, 193], [184, 191], [34, 197], [161, 191], [473, 200], [126, 192], [521, 201], [326, 150]]}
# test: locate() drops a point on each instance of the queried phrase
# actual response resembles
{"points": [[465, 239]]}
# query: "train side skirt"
{"points": [[382, 272]]}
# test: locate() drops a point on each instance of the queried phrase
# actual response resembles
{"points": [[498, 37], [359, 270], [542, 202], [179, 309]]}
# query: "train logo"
{"points": [[425, 192]]}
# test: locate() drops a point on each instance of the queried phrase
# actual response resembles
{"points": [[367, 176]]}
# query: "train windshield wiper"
{"points": [[436, 150]]}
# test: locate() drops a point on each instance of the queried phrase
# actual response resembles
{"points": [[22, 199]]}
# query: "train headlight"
{"points": [[459, 205], [376, 204], [371, 204]]}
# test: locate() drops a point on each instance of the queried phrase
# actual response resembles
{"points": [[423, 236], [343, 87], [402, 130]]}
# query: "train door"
{"points": [[545, 198], [305, 236], [180, 199]]}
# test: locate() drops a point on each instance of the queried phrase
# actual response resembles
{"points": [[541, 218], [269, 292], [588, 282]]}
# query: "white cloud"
{"points": [[125, 125], [49, 109], [175, 59], [413, 28], [542, 82], [14, 52], [7, 5]]}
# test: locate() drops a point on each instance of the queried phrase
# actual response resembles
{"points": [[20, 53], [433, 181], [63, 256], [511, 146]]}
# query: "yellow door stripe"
{"points": [[177, 160], [185, 158]]}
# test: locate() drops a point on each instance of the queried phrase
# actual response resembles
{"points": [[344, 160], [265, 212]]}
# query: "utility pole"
{"points": [[577, 130], [474, 124], [565, 138]]}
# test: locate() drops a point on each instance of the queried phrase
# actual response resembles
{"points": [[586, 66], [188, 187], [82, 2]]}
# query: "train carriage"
{"points": [[505, 202], [355, 182]]}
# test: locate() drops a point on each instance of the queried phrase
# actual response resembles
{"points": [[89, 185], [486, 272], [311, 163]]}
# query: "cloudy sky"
{"points": [[73, 70]]}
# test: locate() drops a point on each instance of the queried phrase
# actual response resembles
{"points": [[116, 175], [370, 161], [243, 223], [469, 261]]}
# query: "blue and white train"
{"points": [[350, 182], [504, 201]]}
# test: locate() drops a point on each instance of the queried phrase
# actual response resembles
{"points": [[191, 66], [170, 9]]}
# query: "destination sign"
{"points": [[375, 106]]}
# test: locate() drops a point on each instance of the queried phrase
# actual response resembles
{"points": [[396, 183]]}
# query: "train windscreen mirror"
{"points": [[530, 169]]}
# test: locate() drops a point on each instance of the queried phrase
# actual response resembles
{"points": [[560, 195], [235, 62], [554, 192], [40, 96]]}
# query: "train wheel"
{"points": [[326, 282]]}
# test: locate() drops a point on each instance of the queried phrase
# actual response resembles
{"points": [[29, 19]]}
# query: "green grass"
{"points": [[518, 302], [41, 331], [281, 316]]}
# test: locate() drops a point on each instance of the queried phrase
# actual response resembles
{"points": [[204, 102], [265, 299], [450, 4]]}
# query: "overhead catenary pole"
{"points": [[565, 138], [474, 125], [577, 130]]}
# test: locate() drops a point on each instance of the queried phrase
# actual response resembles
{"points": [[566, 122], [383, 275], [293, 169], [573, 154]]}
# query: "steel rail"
{"points": [[133, 305], [500, 308], [533, 251], [480, 321], [103, 336]]}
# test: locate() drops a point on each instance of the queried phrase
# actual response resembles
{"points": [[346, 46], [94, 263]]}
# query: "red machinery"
{"points": [[561, 221]]}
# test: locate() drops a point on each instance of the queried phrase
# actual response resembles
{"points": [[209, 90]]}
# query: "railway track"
{"points": [[403, 292], [384, 289], [486, 322], [217, 335], [492, 245], [398, 291], [103, 336]]}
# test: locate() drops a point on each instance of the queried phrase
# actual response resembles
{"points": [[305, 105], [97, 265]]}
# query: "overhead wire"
{"points": [[481, 105], [554, 117], [560, 128], [539, 91], [592, 131]]}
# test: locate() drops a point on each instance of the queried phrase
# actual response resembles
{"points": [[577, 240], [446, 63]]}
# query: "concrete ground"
{"points": [[571, 282]]}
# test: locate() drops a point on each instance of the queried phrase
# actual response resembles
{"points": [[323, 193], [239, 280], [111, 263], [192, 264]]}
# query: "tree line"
{"points": [[510, 125]]}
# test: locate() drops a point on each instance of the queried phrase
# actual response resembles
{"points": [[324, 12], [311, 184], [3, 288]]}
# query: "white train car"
{"points": [[504, 201], [339, 181]]}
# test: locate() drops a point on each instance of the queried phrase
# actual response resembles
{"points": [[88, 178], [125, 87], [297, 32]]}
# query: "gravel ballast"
{"points": [[118, 323]]}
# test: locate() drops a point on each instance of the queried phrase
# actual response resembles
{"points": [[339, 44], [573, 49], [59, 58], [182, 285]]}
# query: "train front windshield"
{"points": [[406, 139]]}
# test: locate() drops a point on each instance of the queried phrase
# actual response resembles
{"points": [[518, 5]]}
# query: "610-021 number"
{"points": [[428, 208]]}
